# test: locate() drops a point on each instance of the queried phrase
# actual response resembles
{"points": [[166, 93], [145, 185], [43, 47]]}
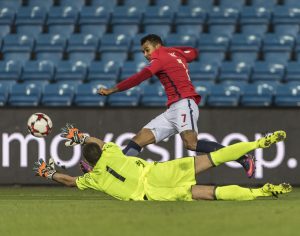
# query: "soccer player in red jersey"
{"points": [[169, 64]]}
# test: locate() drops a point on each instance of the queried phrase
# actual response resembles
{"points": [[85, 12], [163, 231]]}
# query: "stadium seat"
{"points": [[109, 5], [38, 70], [50, 47], [11, 4], [246, 57], [130, 67], [17, 47], [153, 95], [292, 3], [245, 43], [137, 3], [127, 98], [78, 4], [86, 94], [203, 71], [158, 20], [288, 95], [82, 47], [233, 71], [292, 72], [268, 71], [30, 20], [10, 70], [94, 20], [213, 43], [297, 47], [126, 20], [236, 4], [259, 94], [203, 88], [190, 20], [287, 29], [46, 4], [58, 94], [174, 4], [7, 17], [66, 70], [26, 94], [226, 94], [4, 92], [62, 20], [211, 57], [286, 15], [206, 5], [181, 40], [106, 71], [268, 4]]}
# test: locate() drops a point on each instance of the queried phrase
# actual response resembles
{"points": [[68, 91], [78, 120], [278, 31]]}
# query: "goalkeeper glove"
{"points": [[42, 169], [85, 167], [73, 135]]}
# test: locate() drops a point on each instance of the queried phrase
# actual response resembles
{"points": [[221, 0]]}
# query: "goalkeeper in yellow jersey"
{"points": [[131, 178]]}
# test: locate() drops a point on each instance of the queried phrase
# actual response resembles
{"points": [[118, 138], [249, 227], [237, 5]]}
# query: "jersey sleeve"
{"points": [[134, 80], [189, 53], [155, 65], [85, 181]]}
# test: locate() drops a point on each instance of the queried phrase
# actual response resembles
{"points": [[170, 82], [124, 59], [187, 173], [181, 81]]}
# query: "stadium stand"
{"points": [[249, 50]]}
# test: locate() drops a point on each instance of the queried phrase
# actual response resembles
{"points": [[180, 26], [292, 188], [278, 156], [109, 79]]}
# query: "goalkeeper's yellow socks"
{"points": [[237, 193], [232, 152]]}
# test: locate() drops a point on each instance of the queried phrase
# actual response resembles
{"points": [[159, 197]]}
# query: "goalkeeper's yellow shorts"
{"points": [[171, 181]]}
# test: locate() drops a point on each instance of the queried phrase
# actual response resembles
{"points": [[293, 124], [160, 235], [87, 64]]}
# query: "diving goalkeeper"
{"points": [[132, 178]]}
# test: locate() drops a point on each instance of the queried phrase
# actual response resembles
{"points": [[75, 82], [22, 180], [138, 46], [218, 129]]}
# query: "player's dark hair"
{"points": [[152, 38], [91, 152]]}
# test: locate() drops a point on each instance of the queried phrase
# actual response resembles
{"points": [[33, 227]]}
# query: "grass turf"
{"points": [[68, 211]]}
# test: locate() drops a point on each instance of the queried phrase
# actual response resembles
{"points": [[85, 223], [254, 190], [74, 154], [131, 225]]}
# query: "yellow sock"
{"points": [[235, 192], [232, 152]]}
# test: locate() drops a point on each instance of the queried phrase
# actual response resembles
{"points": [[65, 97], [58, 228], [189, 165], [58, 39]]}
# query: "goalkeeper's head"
{"points": [[92, 153], [149, 44]]}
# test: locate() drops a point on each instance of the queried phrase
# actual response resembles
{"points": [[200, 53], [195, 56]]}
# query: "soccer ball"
{"points": [[39, 125]]}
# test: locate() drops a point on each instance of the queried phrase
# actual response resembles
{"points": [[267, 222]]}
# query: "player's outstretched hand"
{"points": [[105, 91], [41, 168], [72, 135], [85, 167]]}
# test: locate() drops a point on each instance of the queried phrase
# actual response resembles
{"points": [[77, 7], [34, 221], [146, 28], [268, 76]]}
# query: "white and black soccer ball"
{"points": [[39, 125]]}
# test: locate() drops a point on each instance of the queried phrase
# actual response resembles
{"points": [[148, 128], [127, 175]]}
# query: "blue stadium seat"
{"points": [[10, 70], [30, 20], [73, 3], [7, 17], [94, 20], [223, 20], [245, 43], [235, 71], [181, 40], [136, 43], [246, 57], [203, 71], [212, 57], [288, 95], [26, 94], [287, 29], [106, 71], [46, 4], [190, 20], [213, 43], [66, 70], [268, 4], [153, 95], [292, 3], [104, 3], [259, 94], [4, 91], [130, 67], [128, 98], [50, 47], [174, 4], [203, 88], [58, 94], [226, 94], [292, 72], [11, 4], [297, 47], [158, 20], [17, 47], [86, 94], [137, 3], [268, 71], [38, 70], [286, 15], [126, 20], [255, 20], [62, 20], [204, 4], [82, 47], [236, 4]]}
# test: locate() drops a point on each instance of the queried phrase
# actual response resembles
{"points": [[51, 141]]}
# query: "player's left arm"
{"points": [[64, 179], [189, 53]]}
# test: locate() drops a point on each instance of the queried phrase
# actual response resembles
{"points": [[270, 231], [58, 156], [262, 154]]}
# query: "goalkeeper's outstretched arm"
{"points": [[64, 179]]}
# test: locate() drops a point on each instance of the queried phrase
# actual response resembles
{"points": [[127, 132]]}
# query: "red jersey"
{"points": [[169, 64]]}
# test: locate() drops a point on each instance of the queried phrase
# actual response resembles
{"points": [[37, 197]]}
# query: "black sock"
{"points": [[132, 149], [211, 146]]}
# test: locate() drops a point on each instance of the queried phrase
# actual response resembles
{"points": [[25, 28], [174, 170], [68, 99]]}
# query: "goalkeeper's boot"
{"points": [[248, 163], [274, 190], [271, 138]]}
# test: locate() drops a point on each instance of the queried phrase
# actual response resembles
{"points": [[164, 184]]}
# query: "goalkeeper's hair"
{"points": [[91, 152], [152, 38]]}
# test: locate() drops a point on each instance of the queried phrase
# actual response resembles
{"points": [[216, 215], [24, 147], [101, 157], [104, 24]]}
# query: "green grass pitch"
{"points": [[69, 211]]}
